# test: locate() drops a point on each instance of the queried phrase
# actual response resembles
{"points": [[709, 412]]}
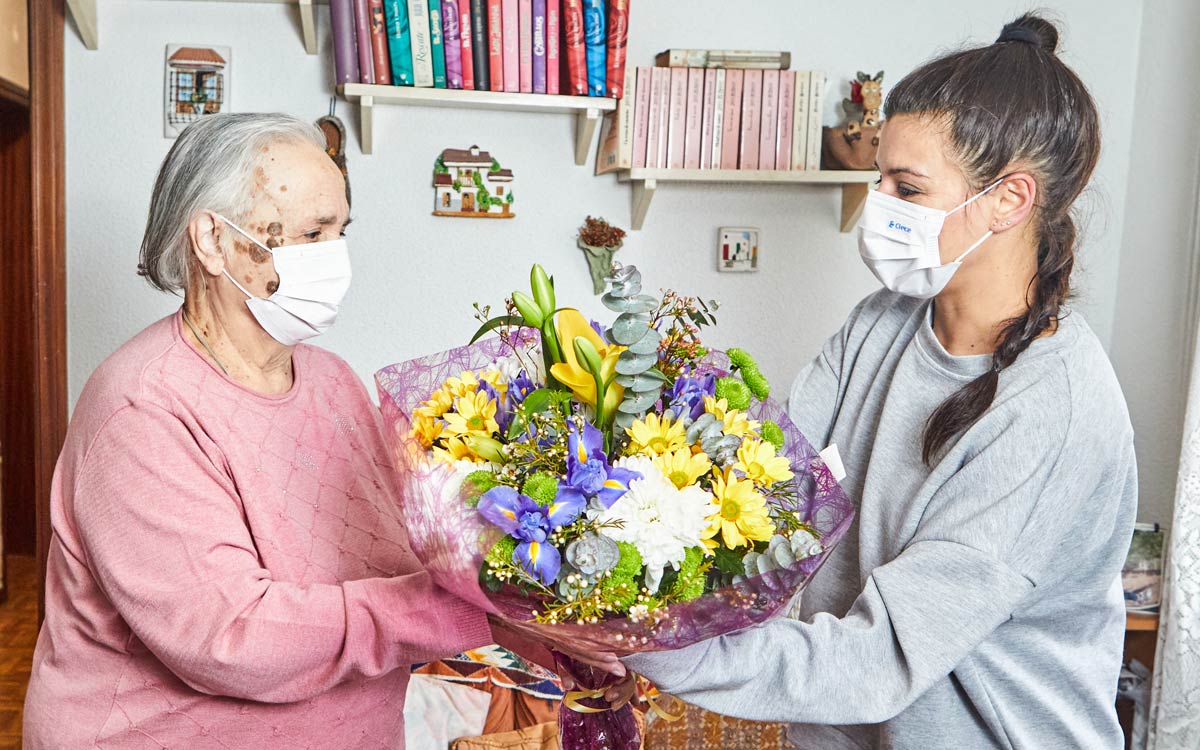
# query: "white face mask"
{"points": [[313, 280], [898, 241]]}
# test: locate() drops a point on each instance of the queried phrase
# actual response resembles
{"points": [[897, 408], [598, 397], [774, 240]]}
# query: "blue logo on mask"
{"points": [[897, 225]]}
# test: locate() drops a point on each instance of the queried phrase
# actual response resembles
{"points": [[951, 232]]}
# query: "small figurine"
{"points": [[470, 183], [335, 143], [599, 241], [853, 145]]}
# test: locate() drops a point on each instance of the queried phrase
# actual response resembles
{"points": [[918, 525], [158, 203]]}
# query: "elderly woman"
{"points": [[229, 566]]}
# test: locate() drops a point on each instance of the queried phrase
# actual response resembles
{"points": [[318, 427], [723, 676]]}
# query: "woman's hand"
{"points": [[617, 694], [602, 660]]}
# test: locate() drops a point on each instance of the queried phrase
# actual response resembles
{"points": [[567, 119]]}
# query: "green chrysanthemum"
{"points": [[620, 589], [501, 552], [758, 384], [630, 563], [735, 392], [741, 360], [477, 483], [542, 488], [773, 434], [692, 573]]}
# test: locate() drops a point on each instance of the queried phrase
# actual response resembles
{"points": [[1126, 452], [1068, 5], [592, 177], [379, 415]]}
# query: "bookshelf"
{"points": [[587, 109], [855, 185]]}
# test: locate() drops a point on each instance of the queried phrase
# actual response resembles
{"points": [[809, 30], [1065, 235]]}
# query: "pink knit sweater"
{"points": [[228, 569]]}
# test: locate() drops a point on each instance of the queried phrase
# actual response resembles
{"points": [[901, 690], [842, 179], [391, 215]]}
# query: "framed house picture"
{"points": [[196, 83]]}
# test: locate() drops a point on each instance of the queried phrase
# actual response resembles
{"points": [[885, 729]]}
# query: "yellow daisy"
{"points": [[454, 449], [757, 460], [427, 429], [682, 467], [656, 436], [474, 414], [736, 422], [438, 403], [741, 516]]}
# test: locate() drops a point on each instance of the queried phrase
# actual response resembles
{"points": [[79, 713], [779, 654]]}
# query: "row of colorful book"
{"points": [[574, 47], [715, 118]]}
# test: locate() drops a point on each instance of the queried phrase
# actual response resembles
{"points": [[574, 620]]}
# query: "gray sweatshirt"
{"points": [[974, 604]]}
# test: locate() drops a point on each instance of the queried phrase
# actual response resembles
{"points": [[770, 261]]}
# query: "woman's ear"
{"points": [[1017, 198], [204, 236]]}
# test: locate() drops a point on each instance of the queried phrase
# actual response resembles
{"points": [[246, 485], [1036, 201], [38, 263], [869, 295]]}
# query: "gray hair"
{"points": [[210, 167]]}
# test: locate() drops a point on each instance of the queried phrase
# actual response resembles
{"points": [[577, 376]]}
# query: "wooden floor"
{"points": [[18, 634]]}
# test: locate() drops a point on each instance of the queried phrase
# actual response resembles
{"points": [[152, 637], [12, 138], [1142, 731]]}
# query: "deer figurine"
{"points": [[844, 147]]}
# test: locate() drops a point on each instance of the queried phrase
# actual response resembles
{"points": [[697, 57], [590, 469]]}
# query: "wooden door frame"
{"points": [[49, 315]]}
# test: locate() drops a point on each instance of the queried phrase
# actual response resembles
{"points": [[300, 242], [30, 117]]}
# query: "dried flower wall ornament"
{"points": [[599, 241]]}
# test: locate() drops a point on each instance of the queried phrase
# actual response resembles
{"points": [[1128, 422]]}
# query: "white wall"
{"points": [[1151, 334], [417, 275]]}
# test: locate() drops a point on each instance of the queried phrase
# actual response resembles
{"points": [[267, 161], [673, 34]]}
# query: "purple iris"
{"points": [[589, 474], [506, 407], [520, 517], [687, 397]]}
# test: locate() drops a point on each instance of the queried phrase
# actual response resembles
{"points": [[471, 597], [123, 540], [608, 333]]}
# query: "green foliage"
{"points": [[619, 592], [509, 199], [734, 391], [457, 186], [439, 167], [495, 165], [693, 571], [541, 487], [477, 483], [729, 561], [501, 553]]}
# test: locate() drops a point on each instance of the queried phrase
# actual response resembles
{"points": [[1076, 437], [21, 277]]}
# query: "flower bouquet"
{"points": [[621, 488]]}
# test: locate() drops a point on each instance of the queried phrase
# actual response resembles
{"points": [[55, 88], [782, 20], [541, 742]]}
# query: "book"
{"points": [[718, 128], [617, 134], [452, 44], [345, 41], [783, 141], [525, 45], [539, 46], [664, 119], [751, 119], [362, 33], [418, 28], [732, 131], [399, 46], [574, 47], [693, 114], [723, 58], [816, 105], [618, 39], [658, 78], [708, 117], [800, 121], [466, 46], [594, 33], [553, 42], [641, 114], [769, 120], [1142, 573], [436, 49], [510, 19], [379, 44], [495, 30], [677, 118], [479, 45]]}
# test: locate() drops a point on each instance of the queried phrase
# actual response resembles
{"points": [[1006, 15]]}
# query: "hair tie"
{"points": [[1014, 33]]}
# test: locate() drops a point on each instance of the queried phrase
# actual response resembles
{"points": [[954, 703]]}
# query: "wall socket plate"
{"points": [[737, 249]]}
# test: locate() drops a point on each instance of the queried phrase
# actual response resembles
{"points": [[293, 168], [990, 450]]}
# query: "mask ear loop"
{"points": [[245, 234], [968, 202]]}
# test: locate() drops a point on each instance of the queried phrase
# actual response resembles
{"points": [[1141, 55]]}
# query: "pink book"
{"points": [[525, 41], [693, 115], [654, 121], [677, 118], [512, 47], [731, 128], [787, 102], [553, 29], [751, 119], [707, 119], [641, 116], [769, 121], [664, 118]]}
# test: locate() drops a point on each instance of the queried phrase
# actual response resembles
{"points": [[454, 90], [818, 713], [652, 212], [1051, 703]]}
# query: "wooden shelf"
{"points": [[855, 185], [85, 15], [1135, 621], [587, 109]]}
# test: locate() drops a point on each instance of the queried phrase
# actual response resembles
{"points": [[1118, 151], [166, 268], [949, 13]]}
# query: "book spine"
{"points": [[627, 119], [751, 119], [732, 130], [553, 42], [399, 45], [677, 119], [800, 121], [618, 39], [654, 118], [768, 120], [436, 51], [379, 44], [362, 32], [575, 48], [466, 44], [783, 141], [345, 41], [452, 44], [525, 45], [512, 45], [495, 30], [539, 46], [693, 114], [664, 119], [641, 115], [594, 33], [816, 104], [707, 118], [418, 28], [616, 137], [718, 133], [723, 58]]}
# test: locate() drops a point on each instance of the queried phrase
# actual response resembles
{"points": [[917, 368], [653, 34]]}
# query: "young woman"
{"points": [[976, 601]]}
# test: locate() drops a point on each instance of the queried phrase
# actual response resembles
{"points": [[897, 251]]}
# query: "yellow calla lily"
{"points": [[571, 373]]}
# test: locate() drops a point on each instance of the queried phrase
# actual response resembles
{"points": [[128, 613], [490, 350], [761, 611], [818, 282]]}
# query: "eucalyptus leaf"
{"points": [[632, 364], [638, 403], [648, 343], [643, 381], [629, 328], [642, 303]]}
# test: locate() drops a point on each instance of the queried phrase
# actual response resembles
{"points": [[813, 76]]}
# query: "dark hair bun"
{"points": [[1031, 29]]}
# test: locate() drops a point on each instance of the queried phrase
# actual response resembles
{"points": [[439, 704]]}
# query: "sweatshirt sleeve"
{"points": [[165, 537], [1008, 520]]}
